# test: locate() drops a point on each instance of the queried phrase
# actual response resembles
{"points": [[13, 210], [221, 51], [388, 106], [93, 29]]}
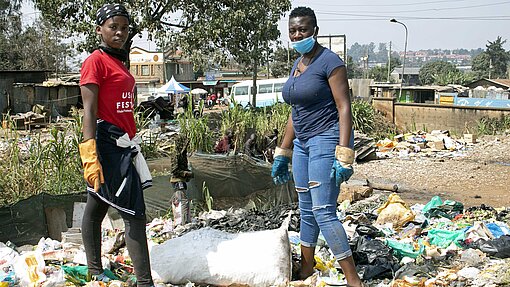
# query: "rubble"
{"points": [[440, 243], [437, 143]]}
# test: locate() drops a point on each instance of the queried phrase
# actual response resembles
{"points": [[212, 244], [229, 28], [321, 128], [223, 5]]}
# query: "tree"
{"points": [[209, 31], [9, 11], [282, 61], [243, 30], [353, 70], [77, 18], [452, 77], [43, 51], [433, 69], [493, 62], [480, 65], [380, 73]]}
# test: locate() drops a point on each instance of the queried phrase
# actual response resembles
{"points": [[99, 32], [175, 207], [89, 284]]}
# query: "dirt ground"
{"points": [[478, 175]]}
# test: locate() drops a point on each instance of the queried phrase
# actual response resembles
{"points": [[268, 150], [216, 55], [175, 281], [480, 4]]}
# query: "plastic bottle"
{"points": [[180, 205]]}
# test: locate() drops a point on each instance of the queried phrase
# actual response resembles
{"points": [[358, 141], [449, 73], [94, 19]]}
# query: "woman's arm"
{"points": [[288, 137], [89, 94], [340, 89]]}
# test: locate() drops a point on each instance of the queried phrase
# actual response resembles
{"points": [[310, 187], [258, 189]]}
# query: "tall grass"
{"points": [[32, 164], [362, 116], [494, 126], [196, 129], [262, 121]]}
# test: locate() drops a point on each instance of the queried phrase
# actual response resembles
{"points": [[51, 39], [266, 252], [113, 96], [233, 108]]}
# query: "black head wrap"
{"points": [[110, 10]]}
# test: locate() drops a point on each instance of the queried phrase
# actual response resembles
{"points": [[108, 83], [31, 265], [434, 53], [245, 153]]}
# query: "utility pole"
{"points": [[389, 63], [490, 67], [267, 61], [288, 54], [164, 63], [366, 58], [405, 53]]}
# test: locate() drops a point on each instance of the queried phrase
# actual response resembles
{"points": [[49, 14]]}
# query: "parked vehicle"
{"points": [[269, 92]]}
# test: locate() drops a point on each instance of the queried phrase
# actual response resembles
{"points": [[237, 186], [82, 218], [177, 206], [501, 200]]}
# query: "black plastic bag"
{"points": [[499, 247]]}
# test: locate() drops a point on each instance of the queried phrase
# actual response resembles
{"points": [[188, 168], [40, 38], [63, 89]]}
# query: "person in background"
{"points": [[319, 139], [224, 145], [271, 142], [250, 146], [114, 168]]}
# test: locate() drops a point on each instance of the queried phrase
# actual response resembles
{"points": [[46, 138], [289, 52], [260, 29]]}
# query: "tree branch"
{"points": [[174, 25]]}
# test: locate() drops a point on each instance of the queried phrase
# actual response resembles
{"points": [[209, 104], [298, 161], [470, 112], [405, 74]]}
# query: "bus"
{"points": [[269, 92]]}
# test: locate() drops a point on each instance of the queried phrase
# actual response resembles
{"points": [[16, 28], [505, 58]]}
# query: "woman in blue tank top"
{"points": [[319, 139]]}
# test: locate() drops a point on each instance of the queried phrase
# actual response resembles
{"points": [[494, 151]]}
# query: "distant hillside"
{"points": [[379, 54]]}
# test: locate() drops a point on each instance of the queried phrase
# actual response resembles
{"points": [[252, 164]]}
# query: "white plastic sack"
{"points": [[29, 268], [209, 256], [7, 254]]}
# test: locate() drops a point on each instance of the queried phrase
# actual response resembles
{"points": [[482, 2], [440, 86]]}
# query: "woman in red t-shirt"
{"points": [[110, 146]]}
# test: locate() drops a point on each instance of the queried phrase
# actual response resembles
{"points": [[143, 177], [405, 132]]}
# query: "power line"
{"points": [[488, 18], [420, 10], [392, 5], [385, 17]]}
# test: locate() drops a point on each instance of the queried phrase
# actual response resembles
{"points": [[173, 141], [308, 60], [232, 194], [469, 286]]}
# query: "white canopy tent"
{"points": [[173, 87]]}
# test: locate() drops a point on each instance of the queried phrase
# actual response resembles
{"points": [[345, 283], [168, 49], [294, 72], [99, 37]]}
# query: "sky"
{"points": [[431, 24]]}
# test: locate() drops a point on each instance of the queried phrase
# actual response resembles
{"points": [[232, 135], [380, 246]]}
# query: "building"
{"points": [[152, 69], [411, 77], [486, 83], [9, 78], [411, 94]]}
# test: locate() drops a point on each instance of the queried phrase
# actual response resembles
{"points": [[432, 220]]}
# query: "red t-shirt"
{"points": [[116, 89]]}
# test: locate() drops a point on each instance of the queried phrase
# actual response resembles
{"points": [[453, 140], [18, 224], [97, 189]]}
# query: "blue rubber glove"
{"points": [[280, 171], [340, 173], [342, 169]]}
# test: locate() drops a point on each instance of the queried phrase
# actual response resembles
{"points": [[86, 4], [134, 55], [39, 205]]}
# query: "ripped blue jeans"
{"points": [[311, 166]]}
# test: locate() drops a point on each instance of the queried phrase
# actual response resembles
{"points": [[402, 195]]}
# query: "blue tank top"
{"points": [[313, 107]]}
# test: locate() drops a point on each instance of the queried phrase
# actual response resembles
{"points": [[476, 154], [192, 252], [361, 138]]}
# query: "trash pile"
{"points": [[440, 243], [435, 143]]}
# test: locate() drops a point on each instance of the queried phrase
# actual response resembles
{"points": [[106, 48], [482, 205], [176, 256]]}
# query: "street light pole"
{"points": [[405, 52]]}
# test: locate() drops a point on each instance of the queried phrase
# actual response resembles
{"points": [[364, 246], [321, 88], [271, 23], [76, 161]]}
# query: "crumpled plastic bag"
{"points": [[443, 238], [80, 273], [394, 211], [479, 231], [374, 259], [447, 209], [499, 247], [29, 268], [427, 270], [401, 249]]}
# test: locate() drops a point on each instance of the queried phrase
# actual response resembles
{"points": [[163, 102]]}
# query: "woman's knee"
{"points": [[324, 213]]}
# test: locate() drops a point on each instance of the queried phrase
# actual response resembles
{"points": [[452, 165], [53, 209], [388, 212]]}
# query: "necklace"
{"points": [[301, 67]]}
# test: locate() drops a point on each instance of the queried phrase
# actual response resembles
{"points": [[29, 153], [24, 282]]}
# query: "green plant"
{"points": [[196, 130], [493, 126], [262, 121], [63, 162], [383, 128], [362, 116], [32, 164], [208, 199]]}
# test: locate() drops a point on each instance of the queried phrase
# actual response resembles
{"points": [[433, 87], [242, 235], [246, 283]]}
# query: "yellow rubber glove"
{"points": [[92, 170]]}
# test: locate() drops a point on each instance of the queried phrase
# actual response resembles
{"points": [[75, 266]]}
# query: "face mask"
{"points": [[304, 46]]}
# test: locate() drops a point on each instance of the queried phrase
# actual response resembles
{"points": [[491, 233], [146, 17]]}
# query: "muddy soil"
{"points": [[478, 175]]}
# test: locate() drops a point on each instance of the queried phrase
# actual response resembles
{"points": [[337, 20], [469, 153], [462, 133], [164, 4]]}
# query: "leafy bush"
{"points": [[367, 120], [494, 126], [362, 116]]}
